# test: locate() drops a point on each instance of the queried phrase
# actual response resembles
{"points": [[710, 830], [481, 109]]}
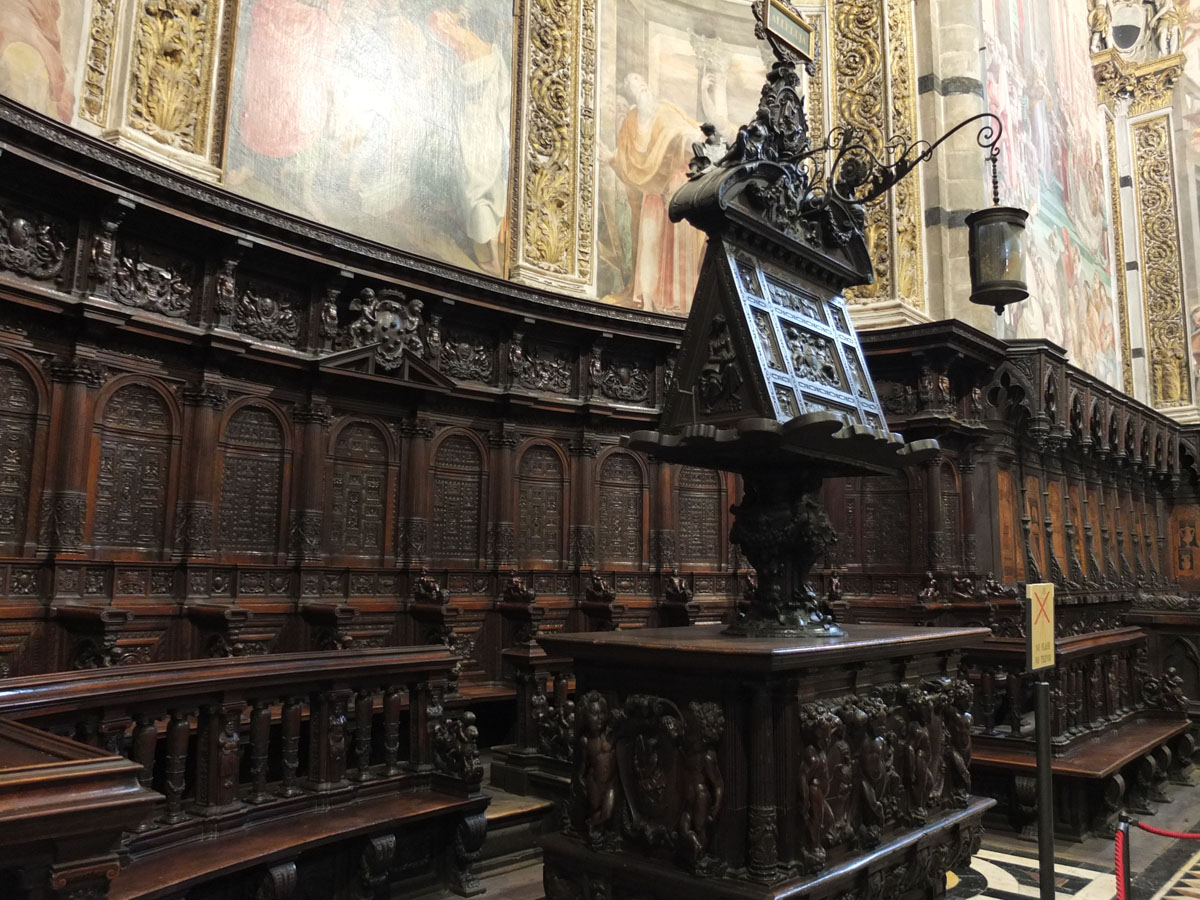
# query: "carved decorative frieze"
{"points": [[267, 317], [31, 245], [468, 357], [539, 368], [907, 209], [1122, 288], [1162, 278], [163, 289], [623, 381]]}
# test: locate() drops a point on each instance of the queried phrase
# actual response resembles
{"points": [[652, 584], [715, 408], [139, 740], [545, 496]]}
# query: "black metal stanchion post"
{"points": [[1041, 690]]}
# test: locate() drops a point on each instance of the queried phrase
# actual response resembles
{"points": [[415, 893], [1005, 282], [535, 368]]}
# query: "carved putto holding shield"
{"points": [[390, 321]]}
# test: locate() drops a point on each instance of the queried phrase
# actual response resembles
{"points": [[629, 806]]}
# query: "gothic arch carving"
{"points": [[541, 505], [458, 515], [359, 489], [621, 504], [134, 461], [255, 451]]}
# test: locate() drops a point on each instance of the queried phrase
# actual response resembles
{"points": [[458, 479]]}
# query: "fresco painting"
{"points": [[387, 120], [663, 72], [40, 49], [1053, 164]]}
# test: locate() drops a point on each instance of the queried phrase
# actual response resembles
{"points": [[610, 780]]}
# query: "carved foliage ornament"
{"points": [[1161, 273], [171, 68], [144, 285], [624, 381], [93, 103], [539, 368], [262, 316]]}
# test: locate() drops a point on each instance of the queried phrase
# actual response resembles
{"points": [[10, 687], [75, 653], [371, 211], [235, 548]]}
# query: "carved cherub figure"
{"points": [[703, 785], [964, 587], [930, 591], [958, 748], [597, 763]]}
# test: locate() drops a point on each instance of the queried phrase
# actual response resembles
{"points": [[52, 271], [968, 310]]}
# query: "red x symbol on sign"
{"points": [[1041, 612]]}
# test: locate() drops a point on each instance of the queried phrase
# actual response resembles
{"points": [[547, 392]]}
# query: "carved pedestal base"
{"points": [[715, 766]]}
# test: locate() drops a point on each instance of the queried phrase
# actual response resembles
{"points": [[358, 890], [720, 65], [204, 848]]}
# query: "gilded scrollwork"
{"points": [[172, 68], [906, 196], [1119, 237], [559, 140], [860, 92], [1162, 287], [1145, 88], [93, 102]]}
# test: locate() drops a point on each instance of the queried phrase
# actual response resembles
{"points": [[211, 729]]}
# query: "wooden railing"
{"points": [[229, 744]]}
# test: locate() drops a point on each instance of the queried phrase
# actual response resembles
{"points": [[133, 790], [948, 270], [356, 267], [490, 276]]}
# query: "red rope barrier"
{"points": [[1119, 847], [1178, 835]]}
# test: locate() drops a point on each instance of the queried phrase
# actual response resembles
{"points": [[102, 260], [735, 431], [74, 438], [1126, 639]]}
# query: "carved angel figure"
{"points": [[703, 785], [958, 748], [708, 152], [597, 763], [930, 592], [816, 784], [964, 587]]}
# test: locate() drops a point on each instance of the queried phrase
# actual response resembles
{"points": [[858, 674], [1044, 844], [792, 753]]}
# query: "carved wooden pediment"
{"points": [[411, 370]]}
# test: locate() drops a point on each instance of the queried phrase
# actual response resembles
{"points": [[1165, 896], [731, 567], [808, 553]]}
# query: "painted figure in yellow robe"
{"points": [[654, 146]]}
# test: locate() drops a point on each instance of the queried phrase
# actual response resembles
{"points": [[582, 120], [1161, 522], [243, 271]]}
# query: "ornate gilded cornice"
{"points": [[553, 194], [1146, 87], [1118, 222]]}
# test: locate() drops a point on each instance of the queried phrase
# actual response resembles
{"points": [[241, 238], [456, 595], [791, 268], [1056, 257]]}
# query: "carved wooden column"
{"points": [[581, 539], [219, 760], [412, 547], [329, 734], [762, 828], [662, 533], [936, 548], [63, 511], [966, 470], [501, 542], [308, 511], [194, 511]]}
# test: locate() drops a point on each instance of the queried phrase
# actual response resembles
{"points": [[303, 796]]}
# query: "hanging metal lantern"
{"points": [[997, 247], [998, 256]]}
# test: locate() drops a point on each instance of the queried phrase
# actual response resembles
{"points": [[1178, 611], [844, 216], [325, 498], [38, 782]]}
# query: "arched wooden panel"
{"points": [[134, 466], [540, 506], [251, 482], [699, 517], [18, 413], [620, 504], [356, 495], [457, 511]]}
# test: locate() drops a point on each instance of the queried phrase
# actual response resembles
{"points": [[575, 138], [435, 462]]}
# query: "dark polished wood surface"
{"points": [[706, 646]]}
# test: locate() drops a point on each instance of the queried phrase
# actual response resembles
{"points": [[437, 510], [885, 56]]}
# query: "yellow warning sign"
{"points": [[1039, 626]]}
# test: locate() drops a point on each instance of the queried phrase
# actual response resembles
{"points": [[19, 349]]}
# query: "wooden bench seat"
{"points": [[1094, 757], [167, 873]]}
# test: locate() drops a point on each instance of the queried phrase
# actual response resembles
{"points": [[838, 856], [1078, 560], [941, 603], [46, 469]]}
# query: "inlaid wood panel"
{"points": [[457, 497], [1012, 559], [887, 522], [251, 482], [620, 505], [18, 411], [699, 516], [540, 506], [356, 499], [132, 476]]}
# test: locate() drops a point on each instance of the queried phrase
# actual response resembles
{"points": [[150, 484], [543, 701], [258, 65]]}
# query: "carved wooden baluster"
{"points": [[364, 718], [987, 699], [219, 757], [1016, 695], [179, 731], [763, 850], [141, 751], [424, 705], [260, 739], [290, 726], [327, 739], [392, 703]]}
